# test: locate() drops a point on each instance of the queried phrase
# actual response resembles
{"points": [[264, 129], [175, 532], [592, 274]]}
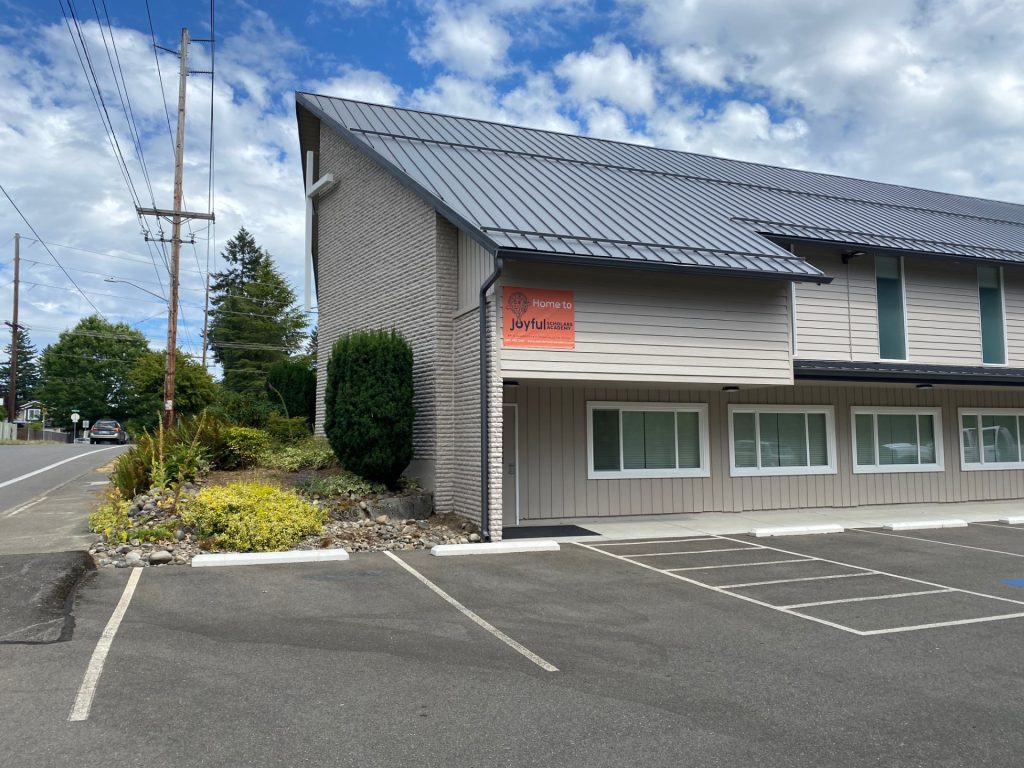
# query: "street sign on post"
{"points": [[74, 430]]}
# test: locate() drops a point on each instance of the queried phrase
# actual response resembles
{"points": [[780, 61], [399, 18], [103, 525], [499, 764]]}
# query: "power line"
{"points": [[55, 260]]}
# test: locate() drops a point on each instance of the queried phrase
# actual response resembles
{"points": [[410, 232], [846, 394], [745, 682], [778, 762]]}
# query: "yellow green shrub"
{"points": [[111, 519], [251, 517]]}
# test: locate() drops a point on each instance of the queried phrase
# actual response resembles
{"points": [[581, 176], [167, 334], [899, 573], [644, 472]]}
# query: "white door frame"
{"points": [[515, 425]]}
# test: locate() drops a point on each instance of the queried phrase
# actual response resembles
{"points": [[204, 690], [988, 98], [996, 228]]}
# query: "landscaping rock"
{"points": [[161, 557]]}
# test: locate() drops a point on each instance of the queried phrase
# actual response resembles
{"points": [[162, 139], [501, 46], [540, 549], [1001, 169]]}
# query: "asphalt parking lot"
{"points": [[854, 649]]}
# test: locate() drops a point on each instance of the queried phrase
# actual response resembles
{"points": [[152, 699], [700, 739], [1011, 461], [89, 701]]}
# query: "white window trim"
{"points": [[701, 409], [906, 320], [830, 439], [981, 325], [981, 466], [877, 469]]}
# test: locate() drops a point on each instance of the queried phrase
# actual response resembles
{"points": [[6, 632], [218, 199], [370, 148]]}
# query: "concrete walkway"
{"points": [[731, 523]]}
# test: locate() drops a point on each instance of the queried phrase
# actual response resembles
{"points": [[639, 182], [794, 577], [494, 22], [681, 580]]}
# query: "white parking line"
{"points": [[474, 617], [805, 578], [696, 552], [936, 541], [733, 565], [27, 475], [872, 597], [83, 701], [656, 541], [886, 573], [721, 591], [936, 625], [23, 507], [1000, 525]]}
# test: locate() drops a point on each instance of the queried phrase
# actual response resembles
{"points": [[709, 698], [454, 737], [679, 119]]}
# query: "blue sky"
{"points": [[921, 92]]}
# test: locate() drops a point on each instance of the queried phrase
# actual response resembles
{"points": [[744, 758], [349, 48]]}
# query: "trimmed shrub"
{"points": [[244, 447], [343, 484], [111, 519], [369, 404], [282, 430], [292, 383], [251, 517], [311, 453]]}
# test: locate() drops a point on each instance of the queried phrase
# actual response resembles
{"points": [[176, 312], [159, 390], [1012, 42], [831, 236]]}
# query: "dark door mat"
{"points": [[541, 531]]}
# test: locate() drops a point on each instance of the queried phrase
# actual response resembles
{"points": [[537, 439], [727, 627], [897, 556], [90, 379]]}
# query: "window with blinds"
{"points": [[991, 439], [647, 440], [897, 440], [990, 301], [781, 440]]}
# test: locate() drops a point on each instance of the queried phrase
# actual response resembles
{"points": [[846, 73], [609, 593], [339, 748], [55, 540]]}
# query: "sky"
{"points": [[927, 93]]}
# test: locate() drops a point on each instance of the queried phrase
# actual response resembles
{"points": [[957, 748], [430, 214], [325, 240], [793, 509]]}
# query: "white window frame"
{"points": [[701, 409], [981, 466], [939, 465], [830, 440], [981, 325], [906, 319]]}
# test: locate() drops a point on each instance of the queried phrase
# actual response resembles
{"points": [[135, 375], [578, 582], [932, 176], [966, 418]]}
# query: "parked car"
{"points": [[107, 430]]}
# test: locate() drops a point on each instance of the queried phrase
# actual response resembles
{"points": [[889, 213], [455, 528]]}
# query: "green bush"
{"points": [[311, 453], [249, 410], [282, 430], [250, 517], [243, 447], [341, 484], [292, 383], [369, 404]]}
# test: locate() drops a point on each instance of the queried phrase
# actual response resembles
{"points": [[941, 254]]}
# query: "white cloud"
{"points": [[610, 73], [360, 85], [467, 41]]}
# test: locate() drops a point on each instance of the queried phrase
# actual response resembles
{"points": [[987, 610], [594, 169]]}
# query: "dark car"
{"points": [[107, 430]]}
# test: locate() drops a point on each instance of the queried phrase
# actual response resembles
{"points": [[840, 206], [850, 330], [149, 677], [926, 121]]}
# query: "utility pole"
{"points": [[206, 311], [12, 391], [177, 216]]}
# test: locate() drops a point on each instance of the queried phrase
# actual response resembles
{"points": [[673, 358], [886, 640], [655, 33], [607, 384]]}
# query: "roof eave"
{"points": [[634, 264], [811, 370], [794, 240]]}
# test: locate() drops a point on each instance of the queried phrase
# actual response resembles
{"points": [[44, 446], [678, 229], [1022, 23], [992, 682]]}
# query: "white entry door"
{"points": [[510, 464]]}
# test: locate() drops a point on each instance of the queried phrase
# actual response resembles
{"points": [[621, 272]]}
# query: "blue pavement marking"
{"points": [[1014, 582]]}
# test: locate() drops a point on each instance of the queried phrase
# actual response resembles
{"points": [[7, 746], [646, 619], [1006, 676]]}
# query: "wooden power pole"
{"points": [[12, 390], [177, 216]]}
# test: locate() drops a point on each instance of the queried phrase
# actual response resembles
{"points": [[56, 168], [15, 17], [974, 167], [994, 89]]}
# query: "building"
{"points": [[665, 332]]}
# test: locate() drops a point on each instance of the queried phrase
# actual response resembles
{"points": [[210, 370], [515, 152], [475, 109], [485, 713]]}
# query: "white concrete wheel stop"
{"points": [[923, 525], [796, 530], [496, 548], [269, 558]]}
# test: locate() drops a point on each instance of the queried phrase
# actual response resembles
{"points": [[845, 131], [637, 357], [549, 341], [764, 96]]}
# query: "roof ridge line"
{"points": [[691, 177]]}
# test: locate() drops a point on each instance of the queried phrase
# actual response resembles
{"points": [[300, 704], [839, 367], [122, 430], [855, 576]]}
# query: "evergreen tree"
{"points": [[87, 368], [28, 369], [254, 322]]}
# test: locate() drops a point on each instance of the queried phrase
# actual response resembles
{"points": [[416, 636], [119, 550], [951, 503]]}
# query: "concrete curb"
{"points": [[796, 530], [496, 548], [920, 525], [1012, 520], [269, 558]]}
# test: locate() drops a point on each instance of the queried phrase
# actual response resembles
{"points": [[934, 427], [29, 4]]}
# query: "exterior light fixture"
{"points": [[730, 389], [924, 386]]}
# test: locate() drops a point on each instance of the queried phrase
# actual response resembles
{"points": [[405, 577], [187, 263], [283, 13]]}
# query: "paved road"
{"points": [[46, 511], [360, 664], [46, 494]]}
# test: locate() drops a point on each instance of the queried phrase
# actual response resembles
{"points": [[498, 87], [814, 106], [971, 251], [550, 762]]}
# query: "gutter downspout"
{"points": [[485, 454]]}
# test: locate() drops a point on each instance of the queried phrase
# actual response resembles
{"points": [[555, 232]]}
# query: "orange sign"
{"points": [[534, 317]]}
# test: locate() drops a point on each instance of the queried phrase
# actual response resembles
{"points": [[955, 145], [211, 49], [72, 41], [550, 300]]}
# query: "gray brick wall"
{"points": [[466, 422], [447, 239], [378, 268]]}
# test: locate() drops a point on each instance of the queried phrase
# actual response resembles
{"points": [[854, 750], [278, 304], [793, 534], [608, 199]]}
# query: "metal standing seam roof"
{"points": [[549, 194]]}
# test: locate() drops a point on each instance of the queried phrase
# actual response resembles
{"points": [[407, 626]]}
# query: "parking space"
{"points": [[785, 652], [836, 588]]}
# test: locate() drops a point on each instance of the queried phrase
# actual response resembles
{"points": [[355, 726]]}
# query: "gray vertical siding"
{"points": [[658, 327], [1013, 294], [943, 315], [553, 455], [475, 266]]}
